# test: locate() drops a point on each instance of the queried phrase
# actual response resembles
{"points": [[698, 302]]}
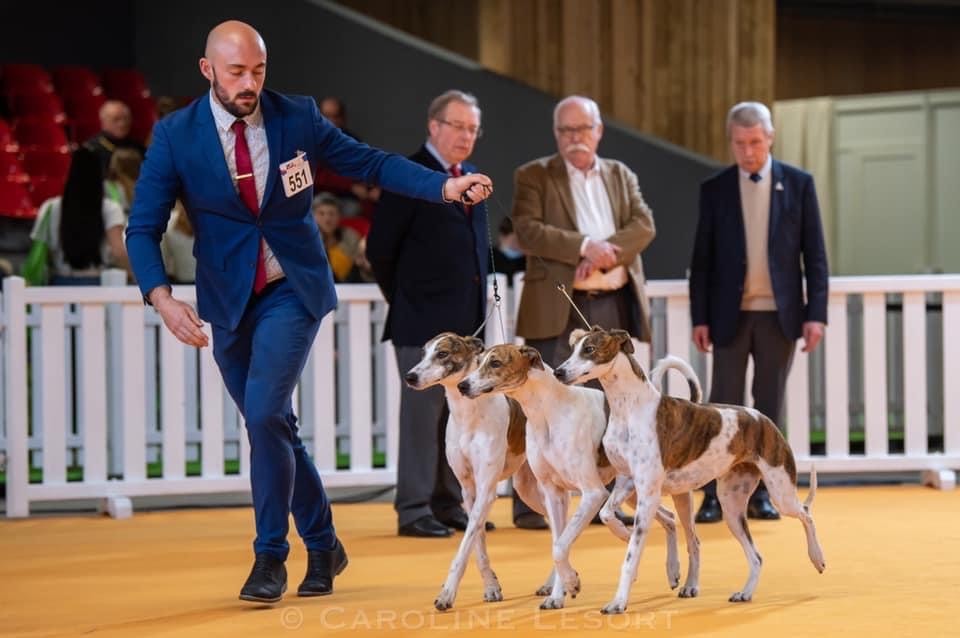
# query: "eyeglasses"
{"points": [[460, 127], [571, 130]]}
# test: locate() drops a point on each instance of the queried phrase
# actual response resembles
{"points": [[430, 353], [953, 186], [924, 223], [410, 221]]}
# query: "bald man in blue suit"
{"points": [[241, 160]]}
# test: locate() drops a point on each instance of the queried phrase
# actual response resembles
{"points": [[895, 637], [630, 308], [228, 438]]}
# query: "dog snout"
{"points": [[464, 387], [410, 378], [560, 374]]}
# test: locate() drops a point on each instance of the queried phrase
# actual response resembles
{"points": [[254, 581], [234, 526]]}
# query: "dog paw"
{"points": [[492, 594], [688, 592], [740, 597], [443, 602], [552, 603], [544, 590], [572, 588], [614, 608]]}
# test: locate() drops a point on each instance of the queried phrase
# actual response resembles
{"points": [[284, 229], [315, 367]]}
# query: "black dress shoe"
{"points": [[530, 520], [459, 520], [322, 566], [762, 509], [709, 511], [425, 527], [267, 580]]}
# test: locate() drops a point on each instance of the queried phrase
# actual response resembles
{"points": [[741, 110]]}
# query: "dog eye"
{"points": [[443, 354], [495, 364], [589, 350]]}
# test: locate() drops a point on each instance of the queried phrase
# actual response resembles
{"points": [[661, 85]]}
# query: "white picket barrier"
{"points": [[99, 401]]}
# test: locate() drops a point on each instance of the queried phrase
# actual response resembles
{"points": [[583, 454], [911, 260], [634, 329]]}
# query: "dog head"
{"points": [[502, 368], [446, 356], [593, 354]]}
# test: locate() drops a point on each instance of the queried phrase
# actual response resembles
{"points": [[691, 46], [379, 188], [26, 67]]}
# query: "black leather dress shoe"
{"points": [[459, 520], [709, 511], [267, 580], [322, 566], [530, 520], [761, 508], [425, 527]]}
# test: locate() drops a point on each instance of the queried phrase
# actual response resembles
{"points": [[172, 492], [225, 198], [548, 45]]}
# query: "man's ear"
{"points": [[206, 69], [532, 355], [623, 338], [576, 335], [474, 344]]}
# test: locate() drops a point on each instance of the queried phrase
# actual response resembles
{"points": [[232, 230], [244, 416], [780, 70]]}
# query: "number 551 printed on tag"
{"points": [[295, 175]]}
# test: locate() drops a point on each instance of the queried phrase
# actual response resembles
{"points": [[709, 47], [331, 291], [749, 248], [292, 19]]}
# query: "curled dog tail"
{"points": [[671, 361], [813, 489]]}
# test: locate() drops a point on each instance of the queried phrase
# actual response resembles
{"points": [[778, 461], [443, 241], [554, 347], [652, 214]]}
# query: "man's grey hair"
{"points": [[588, 105], [327, 198], [748, 115], [439, 104]]}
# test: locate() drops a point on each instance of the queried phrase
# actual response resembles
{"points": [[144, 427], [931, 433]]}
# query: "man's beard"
{"points": [[231, 106]]}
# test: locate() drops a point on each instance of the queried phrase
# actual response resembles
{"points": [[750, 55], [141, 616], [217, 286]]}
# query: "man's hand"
{"points": [[584, 269], [602, 253], [476, 186], [812, 334], [701, 338], [180, 318]]}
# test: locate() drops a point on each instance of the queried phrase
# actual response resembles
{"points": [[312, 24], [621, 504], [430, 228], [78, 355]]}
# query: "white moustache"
{"points": [[577, 147]]}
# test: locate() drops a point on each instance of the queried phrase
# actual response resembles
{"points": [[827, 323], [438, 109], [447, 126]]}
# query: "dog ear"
{"points": [[532, 355], [623, 337], [474, 344], [576, 335]]}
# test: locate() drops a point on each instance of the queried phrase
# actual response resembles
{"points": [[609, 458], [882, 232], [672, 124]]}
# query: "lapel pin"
{"points": [[779, 186]]}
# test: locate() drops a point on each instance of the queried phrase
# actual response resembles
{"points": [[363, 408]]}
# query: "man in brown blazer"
{"points": [[582, 221]]}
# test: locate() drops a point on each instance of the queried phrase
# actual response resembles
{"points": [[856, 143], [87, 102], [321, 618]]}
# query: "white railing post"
{"points": [[951, 372], [15, 376], [114, 375]]}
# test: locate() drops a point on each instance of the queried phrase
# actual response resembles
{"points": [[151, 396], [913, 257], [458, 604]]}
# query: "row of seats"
{"points": [[50, 113]]}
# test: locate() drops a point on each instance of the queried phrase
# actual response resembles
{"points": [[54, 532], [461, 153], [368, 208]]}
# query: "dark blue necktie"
{"points": [[755, 177]]}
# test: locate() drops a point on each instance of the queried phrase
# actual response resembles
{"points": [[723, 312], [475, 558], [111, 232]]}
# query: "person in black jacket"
{"points": [[430, 261]]}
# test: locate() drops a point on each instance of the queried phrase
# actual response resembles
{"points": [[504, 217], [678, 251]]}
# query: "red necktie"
{"points": [[457, 172], [248, 193]]}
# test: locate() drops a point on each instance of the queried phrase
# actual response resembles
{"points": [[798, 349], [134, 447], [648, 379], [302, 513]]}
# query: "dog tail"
{"points": [[813, 488], [671, 361]]}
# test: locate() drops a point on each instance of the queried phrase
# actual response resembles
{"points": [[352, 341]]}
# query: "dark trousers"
{"points": [[425, 483], [758, 336], [261, 362], [607, 310]]}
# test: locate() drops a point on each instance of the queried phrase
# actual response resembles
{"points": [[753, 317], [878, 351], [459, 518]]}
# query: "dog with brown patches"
{"points": [[564, 430], [672, 446], [485, 443]]}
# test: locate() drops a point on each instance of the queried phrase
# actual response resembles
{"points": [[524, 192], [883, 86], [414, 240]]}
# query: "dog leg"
{"points": [[479, 508], [622, 490], [684, 504], [784, 497], [525, 483], [647, 504], [590, 501], [734, 489], [556, 500]]}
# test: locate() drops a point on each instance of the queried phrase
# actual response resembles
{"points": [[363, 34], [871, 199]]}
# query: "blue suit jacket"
{"points": [[795, 249], [186, 160], [431, 263]]}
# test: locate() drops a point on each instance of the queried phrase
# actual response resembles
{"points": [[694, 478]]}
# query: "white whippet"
{"points": [[564, 430], [671, 446], [485, 443]]}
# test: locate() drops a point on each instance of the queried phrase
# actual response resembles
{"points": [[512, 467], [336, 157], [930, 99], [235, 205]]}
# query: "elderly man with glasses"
{"points": [[583, 223]]}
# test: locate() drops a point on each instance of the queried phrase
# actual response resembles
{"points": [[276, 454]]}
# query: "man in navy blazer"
{"points": [[759, 236], [430, 261], [241, 160]]}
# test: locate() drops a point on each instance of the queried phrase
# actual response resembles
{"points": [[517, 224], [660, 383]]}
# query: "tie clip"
{"points": [[245, 175]]}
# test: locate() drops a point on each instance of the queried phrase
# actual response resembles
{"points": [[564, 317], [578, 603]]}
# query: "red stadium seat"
{"points": [[37, 104], [43, 188], [15, 201], [47, 162], [359, 224], [123, 84], [11, 169], [144, 112], [83, 103], [8, 143], [72, 80], [25, 78], [39, 132]]}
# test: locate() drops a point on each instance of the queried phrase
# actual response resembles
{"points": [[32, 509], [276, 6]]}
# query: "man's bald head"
{"points": [[235, 63], [115, 119]]}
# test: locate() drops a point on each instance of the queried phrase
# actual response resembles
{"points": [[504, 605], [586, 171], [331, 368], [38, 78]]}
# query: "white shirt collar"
{"points": [[764, 172], [593, 171], [436, 155], [225, 119]]}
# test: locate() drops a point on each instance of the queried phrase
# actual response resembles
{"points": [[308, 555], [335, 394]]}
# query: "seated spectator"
{"points": [[357, 198], [362, 271], [85, 231], [508, 257], [341, 243], [115, 121], [122, 174], [176, 246]]}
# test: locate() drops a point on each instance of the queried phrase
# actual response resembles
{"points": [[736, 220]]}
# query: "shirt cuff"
{"points": [[443, 185], [583, 246]]}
